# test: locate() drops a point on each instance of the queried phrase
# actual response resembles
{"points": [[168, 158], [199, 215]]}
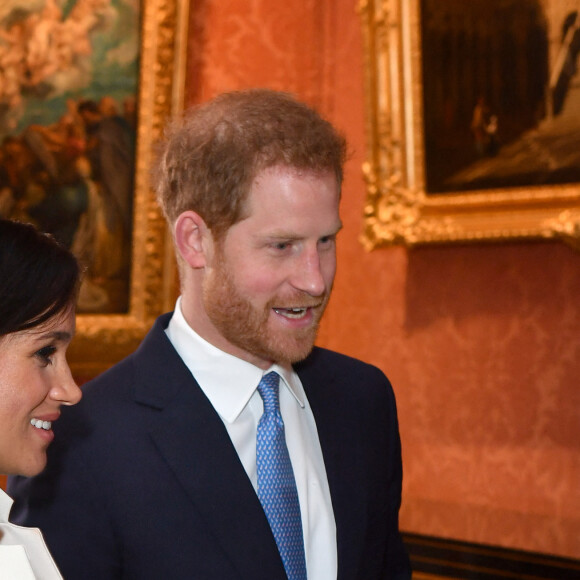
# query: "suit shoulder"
{"points": [[112, 383], [332, 363], [347, 387], [122, 376]]}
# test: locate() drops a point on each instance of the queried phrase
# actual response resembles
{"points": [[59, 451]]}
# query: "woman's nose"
{"points": [[66, 391]]}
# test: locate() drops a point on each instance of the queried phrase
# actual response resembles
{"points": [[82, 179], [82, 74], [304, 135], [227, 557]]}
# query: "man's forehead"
{"points": [[283, 169]]}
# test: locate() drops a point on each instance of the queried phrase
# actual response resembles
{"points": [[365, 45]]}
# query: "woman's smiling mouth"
{"points": [[46, 425]]}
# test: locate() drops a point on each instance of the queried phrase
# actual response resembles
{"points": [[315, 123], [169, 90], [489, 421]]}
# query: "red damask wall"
{"points": [[482, 343]]}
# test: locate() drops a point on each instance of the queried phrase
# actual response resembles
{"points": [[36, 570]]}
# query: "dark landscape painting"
{"points": [[501, 94]]}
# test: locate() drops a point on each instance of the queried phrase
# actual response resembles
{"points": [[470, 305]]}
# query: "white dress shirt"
{"points": [[23, 553], [231, 386]]}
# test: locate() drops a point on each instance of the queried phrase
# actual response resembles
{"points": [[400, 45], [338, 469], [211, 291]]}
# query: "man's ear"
{"points": [[192, 238]]}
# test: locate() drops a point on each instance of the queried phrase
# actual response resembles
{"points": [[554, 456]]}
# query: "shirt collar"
{"points": [[227, 381]]}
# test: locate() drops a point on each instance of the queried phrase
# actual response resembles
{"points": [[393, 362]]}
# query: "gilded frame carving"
{"points": [[102, 340], [397, 210]]}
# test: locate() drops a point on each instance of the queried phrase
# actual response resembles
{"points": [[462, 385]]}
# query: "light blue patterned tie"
{"points": [[276, 484]]}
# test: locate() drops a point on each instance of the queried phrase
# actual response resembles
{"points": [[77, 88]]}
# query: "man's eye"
{"points": [[282, 245], [45, 354]]}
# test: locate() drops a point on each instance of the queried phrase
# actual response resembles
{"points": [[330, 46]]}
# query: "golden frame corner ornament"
{"points": [[398, 210], [103, 339]]}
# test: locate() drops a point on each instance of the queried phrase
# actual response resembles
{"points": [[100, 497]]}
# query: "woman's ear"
{"points": [[192, 238]]}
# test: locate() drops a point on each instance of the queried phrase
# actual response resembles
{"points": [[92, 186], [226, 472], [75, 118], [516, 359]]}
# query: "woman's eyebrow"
{"points": [[59, 335]]}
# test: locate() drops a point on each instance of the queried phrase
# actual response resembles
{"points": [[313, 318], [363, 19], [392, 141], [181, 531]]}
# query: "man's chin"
{"points": [[273, 345], [290, 354]]}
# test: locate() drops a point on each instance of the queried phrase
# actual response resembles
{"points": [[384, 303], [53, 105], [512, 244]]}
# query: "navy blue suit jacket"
{"points": [[143, 481]]}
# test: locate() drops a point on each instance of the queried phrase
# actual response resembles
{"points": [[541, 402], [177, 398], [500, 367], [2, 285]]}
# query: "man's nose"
{"points": [[308, 275]]}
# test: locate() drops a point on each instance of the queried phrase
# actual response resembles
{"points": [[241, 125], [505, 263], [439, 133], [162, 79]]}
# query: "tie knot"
{"points": [[269, 391]]}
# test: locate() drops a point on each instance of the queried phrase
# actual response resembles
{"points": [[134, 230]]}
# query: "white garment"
{"points": [[23, 553], [231, 386]]}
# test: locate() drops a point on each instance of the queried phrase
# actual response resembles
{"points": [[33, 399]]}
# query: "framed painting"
{"points": [[473, 121], [86, 87]]}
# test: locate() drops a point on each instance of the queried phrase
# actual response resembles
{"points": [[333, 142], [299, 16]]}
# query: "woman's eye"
{"points": [[45, 354]]}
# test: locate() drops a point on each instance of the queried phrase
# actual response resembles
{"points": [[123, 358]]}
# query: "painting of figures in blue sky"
{"points": [[69, 72]]}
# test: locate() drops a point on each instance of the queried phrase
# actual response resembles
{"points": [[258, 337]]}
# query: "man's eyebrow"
{"points": [[288, 235], [334, 230]]}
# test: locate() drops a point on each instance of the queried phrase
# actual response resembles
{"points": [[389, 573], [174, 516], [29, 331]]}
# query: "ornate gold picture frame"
{"points": [[399, 208], [102, 339]]}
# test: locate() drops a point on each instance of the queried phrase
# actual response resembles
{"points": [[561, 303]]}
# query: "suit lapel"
{"points": [[340, 440], [195, 444]]}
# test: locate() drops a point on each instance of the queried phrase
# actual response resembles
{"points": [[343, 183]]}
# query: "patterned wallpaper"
{"points": [[482, 343]]}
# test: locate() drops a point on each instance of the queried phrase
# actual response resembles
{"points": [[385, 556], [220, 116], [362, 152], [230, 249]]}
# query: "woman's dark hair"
{"points": [[39, 278]]}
